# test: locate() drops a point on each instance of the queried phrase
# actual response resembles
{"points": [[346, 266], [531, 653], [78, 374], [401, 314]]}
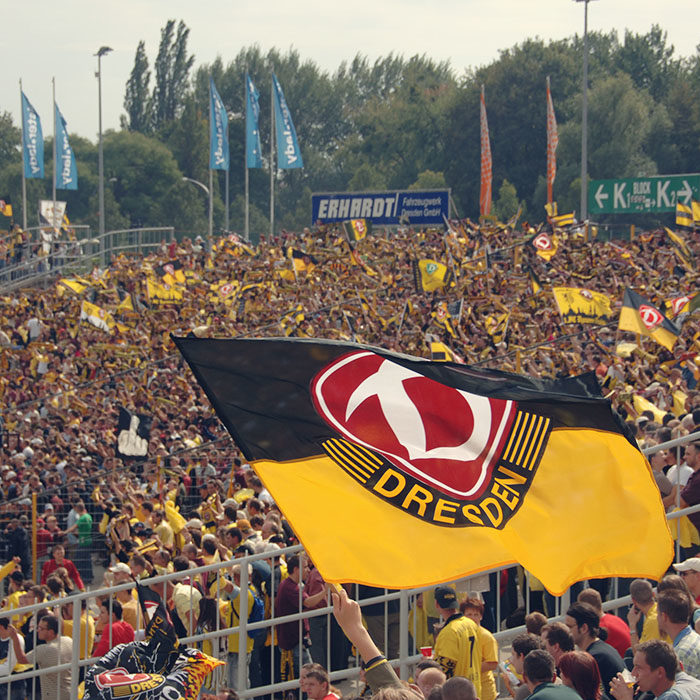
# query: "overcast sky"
{"points": [[44, 39]]}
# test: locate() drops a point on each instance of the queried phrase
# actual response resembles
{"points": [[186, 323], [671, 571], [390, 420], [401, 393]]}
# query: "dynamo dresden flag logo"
{"points": [[441, 454], [651, 318]]}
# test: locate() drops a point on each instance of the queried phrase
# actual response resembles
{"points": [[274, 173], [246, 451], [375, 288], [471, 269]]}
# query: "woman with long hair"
{"points": [[579, 671]]}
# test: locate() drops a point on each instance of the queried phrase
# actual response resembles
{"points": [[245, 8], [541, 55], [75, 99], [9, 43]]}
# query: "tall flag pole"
{"points": [[272, 156], [552, 143], [218, 145], [253, 155], [53, 179], [486, 162], [32, 146], [24, 179]]}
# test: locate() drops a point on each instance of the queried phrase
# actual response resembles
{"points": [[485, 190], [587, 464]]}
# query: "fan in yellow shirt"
{"points": [[457, 647]]}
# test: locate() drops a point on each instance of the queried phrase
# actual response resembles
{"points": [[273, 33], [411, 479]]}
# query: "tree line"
{"points": [[396, 122]]}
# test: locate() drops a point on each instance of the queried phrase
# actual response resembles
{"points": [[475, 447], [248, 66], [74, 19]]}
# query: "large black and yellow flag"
{"points": [[363, 449], [577, 305], [641, 316], [429, 275]]}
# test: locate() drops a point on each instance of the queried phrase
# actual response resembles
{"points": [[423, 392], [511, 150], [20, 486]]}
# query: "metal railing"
{"points": [[64, 257], [407, 653]]}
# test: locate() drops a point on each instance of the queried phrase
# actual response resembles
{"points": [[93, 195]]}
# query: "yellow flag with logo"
{"points": [[641, 316], [429, 275], [453, 458]]}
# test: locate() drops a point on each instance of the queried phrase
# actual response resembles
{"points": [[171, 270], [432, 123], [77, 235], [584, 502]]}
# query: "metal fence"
{"points": [[408, 653], [40, 261]]}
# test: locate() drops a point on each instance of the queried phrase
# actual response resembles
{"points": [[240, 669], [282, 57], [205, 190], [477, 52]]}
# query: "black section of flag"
{"points": [[261, 391]]}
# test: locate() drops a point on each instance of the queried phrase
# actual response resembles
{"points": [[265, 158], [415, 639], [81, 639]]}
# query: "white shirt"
{"points": [[685, 473]]}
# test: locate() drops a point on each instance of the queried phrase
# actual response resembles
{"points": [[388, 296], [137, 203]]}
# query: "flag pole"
{"points": [[53, 182], [272, 156], [211, 173], [24, 179], [245, 161], [226, 219], [211, 203]]}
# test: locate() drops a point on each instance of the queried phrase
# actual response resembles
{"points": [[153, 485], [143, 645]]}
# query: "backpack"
{"points": [[256, 614]]}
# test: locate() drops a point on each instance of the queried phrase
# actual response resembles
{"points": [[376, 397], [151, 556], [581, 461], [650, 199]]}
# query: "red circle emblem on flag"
{"points": [[446, 438], [441, 313], [542, 241], [225, 289], [651, 318], [678, 303], [120, 676]]}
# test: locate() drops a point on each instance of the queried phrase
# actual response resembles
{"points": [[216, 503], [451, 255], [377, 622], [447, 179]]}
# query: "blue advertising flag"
{"points": [[66, 171], [288, 153], [33, 141], [253, 150], [218, 130]]}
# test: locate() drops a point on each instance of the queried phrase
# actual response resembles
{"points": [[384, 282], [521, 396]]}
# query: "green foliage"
{"points": [[9, 140], [138, 102], [142, 173], [507, 203], [429, 180], [172, 67]]}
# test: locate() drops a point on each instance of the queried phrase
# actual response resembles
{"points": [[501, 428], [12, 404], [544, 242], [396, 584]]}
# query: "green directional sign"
{"points": [[646, 195]]}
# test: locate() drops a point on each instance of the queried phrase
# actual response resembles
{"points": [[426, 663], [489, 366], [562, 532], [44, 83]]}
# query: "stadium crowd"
{"points": [[105, 517]]}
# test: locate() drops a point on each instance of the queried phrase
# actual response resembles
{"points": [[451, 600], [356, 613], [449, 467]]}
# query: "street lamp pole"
{"points": [[584, 117], [208, 191], [102, 51]]}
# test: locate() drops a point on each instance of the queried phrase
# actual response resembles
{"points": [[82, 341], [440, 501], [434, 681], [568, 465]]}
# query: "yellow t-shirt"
{"points": [[87, 626], [650, 630], [166, 535], [229, 610], [458, 650], [489, 652]]}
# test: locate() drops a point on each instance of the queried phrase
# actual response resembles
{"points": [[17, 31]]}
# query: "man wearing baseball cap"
{"points": [[457, 647], [690, 571]]}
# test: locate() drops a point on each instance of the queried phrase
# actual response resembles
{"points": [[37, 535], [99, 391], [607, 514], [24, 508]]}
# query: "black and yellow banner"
{"points": [[303, 262], [163, 293], [171, 272], [688, 215], [641, 316], [448, 458], [578, 305], [563, 220], [357, 229], [680, 248], [430, 275], [96, 316]]}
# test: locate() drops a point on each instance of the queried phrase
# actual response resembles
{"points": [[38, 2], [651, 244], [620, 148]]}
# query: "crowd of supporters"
{"points": [[192, 499]]}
